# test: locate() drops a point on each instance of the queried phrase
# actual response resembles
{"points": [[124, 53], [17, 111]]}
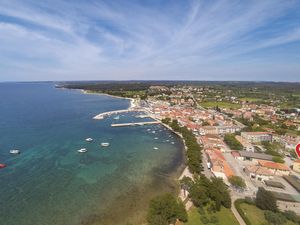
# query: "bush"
{"points": [[292, 216], [274, 218]]}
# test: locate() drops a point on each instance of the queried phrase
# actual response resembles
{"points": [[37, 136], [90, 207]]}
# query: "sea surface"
{"points": [[50, 183]]}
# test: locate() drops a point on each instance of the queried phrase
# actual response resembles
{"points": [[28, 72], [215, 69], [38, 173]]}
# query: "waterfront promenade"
{"points": [[102, 115], [134, 124]]}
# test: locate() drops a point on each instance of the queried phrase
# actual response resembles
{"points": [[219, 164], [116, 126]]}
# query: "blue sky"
{"points": [[149, 39]]}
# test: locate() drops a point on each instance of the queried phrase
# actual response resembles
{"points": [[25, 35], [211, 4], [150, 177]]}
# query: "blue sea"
{"points": [[50, 183]]}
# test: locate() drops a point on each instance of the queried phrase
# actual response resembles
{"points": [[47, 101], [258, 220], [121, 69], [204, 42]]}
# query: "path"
{"points": [[235, 212]]}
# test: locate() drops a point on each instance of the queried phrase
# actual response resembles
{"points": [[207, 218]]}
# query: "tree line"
{"points": [[194, 150]]}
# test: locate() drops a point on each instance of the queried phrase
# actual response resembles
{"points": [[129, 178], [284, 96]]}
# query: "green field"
{"points": [[225, 217], [227, 105], [250, 99], [256, 215]]}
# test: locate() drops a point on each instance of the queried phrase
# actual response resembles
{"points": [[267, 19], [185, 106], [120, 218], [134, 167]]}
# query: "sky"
{"points": [[150, 40]]}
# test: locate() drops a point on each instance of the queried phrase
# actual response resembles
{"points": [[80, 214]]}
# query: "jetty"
{"points": [[134, 124]]}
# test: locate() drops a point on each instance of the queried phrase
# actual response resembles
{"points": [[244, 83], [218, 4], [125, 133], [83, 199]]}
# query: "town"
{"points": [[246, 141]]}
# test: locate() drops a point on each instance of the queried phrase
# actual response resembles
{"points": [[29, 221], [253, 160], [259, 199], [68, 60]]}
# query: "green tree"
{"points": [[166, 121], [237, 182], [265, 200], [274, 218], [277, 159], [232, 142], [165, 209], [218, 192]]}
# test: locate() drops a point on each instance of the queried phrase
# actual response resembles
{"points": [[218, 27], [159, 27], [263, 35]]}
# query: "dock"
{"points": [[134, 124]]}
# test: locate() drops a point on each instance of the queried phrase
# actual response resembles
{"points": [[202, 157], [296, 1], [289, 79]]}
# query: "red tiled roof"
{"points": [[273, 165], [235, 154]]}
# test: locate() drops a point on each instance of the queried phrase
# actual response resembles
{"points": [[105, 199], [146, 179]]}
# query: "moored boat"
{"points": [[89, 139], [155, 148], [82, 150], [105, 144], [2, 165], [14, 151]]}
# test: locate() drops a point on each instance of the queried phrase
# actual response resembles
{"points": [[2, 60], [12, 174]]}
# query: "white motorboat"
{"points": [[82, 150], [153, 132], [89, 139], [14, 151], [156, 138], [105, 144], [117, 118], [155, 148], [172, 143]]}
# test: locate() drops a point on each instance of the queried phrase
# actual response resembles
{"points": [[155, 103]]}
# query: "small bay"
{"points": [[51, 183]]}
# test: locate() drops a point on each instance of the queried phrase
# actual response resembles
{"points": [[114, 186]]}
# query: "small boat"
{"points": [[155, 148], [156, 138], [14, 151], [82, 150], [117, 118], [172, 143], [167, 140], [148, 129], [105, 144], [2, 166], [153, 132], [89, 139]]}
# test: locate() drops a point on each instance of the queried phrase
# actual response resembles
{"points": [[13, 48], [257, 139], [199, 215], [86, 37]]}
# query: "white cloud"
{"points": [[114, 39]]}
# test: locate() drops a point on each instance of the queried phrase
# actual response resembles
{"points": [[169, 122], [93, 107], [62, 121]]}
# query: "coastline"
{"points": [[182, 170], [185, 171], [132, 100]]}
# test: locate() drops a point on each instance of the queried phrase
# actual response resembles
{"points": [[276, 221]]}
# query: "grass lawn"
{"points": [[227, 105], [250, 99], [225, 217], [256, 215]]}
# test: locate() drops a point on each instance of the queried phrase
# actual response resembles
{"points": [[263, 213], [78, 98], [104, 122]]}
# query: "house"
{"points": [[219, 166], [278, 169], [236, 155], [258, 173], [212, 141], [209, 130], [228, 129], [296, 165], [257, 136], [247, 146]]}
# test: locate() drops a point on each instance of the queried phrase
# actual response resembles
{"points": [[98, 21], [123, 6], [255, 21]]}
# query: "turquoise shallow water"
{"points": [[50, 183]]}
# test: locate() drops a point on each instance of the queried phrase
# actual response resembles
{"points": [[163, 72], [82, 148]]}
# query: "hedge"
{"points": [[237, 205]]}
